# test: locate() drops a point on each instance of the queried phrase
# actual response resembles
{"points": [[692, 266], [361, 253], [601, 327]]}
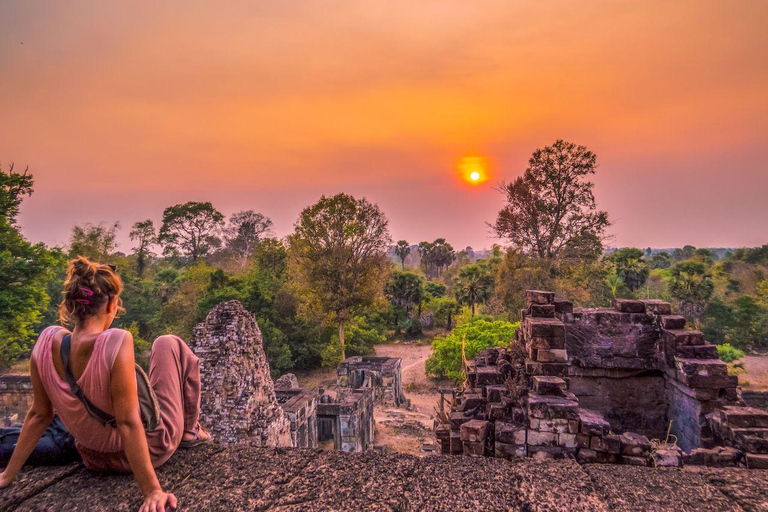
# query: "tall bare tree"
{"points": [[244, 232]]}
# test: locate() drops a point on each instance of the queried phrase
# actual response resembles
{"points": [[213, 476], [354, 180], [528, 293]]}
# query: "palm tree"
{"points": [[402, 250]]}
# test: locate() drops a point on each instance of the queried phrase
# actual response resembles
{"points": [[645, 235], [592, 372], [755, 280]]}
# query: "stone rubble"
{"points": [[597, 384]]}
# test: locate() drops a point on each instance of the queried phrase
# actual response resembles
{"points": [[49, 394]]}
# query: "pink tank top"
{"points": [[89, 433]]}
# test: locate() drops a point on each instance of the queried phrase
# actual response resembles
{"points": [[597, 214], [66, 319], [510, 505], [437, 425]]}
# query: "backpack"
{"points": [[148, 405]]}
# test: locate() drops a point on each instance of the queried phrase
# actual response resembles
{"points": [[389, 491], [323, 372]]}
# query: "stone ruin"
{"points": [[347, 420], [238, 401], [382, 374], [599, 385]]}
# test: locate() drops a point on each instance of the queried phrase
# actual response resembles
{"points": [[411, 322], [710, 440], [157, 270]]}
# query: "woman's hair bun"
{"points": [[89, 286]]}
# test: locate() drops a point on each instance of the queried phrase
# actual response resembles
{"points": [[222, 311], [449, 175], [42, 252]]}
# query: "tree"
{"points": [[631, 267], [402, 250], [338, 250], [404, 290], [96, 242], [436, 257], [661, 260], [190, 229], [473, 285], [244, 232], [144, 234], [552, 203], [692, 285], [24, 271]]}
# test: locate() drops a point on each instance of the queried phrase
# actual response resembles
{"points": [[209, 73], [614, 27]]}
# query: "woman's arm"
{"points": [[37, 420], [131, 430]]}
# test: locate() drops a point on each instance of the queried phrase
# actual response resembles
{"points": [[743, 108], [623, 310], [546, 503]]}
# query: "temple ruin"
{"points": [[238, 401], [628, 384], [382, 374], [347, 420]]}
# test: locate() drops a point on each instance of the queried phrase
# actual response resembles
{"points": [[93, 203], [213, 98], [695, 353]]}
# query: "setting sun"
{"points": [[473, 169]]}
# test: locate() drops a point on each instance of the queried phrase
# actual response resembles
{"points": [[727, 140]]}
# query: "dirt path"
{"points": [[403, 430], [757, 373]]}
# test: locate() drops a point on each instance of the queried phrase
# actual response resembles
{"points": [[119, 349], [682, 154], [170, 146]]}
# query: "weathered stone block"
{"points": [[546, 452], [475, 430], [720, 456], [456, 444], [757, 461], [609, 443], [634, 460], [552, 356], [567, 440], [549, 407], [510, 451], [510, 433], [495, 392], [557, 425], [443, 431], [586, 456], [592, 423], [472, 401], [672, 322], [741, 417], [706, 351], [669, 458], [677, 337], [551, 369], [474, 449], [541, 311], [657, 307], [457, 419], [563, 307], [544, 385], [536, 438], [629, 306], [634, 444], [702, 367], [542, 342], [539, 297]]}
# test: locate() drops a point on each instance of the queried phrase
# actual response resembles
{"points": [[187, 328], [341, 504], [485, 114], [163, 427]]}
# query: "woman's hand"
{"points": [[5, 480], [157, 500]]}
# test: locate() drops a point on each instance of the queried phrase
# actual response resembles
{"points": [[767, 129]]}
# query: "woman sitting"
{"points": [[102, 361]]}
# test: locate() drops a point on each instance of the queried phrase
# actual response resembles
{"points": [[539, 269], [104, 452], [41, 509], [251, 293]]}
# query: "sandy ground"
{"points": [[757, 373]]}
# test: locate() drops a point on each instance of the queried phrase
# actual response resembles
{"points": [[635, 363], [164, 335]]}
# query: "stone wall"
{"points": [[300, 407], [351, 415], [238, 402], [382, 374], [596, 384], [15, 398]]}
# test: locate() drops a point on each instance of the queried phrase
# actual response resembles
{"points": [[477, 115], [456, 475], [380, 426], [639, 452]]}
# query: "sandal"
{"points": [[196, 440]]}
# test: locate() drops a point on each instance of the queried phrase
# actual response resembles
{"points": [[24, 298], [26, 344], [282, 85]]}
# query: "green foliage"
{"points": [[436, 257], [474, 284], [94, 242], [444, 311], [434, 290], [728, 353], [402, 250], [477, 335], [691, 285], [360, 336], [189, 230], [660, 261], [338, 251], [631, 267], [25, 270], [141, 347]]}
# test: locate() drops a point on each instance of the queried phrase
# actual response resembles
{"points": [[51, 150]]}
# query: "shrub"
{"points": [[728, 353], [479, 334]]}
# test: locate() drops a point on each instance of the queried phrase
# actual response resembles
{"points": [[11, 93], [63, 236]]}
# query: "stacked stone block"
{"points": [[745, 430]]}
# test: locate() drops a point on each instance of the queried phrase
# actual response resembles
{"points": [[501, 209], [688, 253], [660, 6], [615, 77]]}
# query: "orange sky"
{"points": [[123, 108]]}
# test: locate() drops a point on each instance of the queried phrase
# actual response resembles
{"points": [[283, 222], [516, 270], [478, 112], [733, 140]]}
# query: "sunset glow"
{"points": [[124, 109]]}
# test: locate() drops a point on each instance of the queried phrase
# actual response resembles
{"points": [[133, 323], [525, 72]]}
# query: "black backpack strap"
{"points": [[104, 417]]}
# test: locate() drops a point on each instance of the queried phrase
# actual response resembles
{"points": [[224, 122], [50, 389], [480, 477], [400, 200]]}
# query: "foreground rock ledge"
{"points": [[247, 477]]}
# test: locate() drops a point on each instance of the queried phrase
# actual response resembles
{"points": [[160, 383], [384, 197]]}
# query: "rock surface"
{"points": [[238, 400], [246, 477]]}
